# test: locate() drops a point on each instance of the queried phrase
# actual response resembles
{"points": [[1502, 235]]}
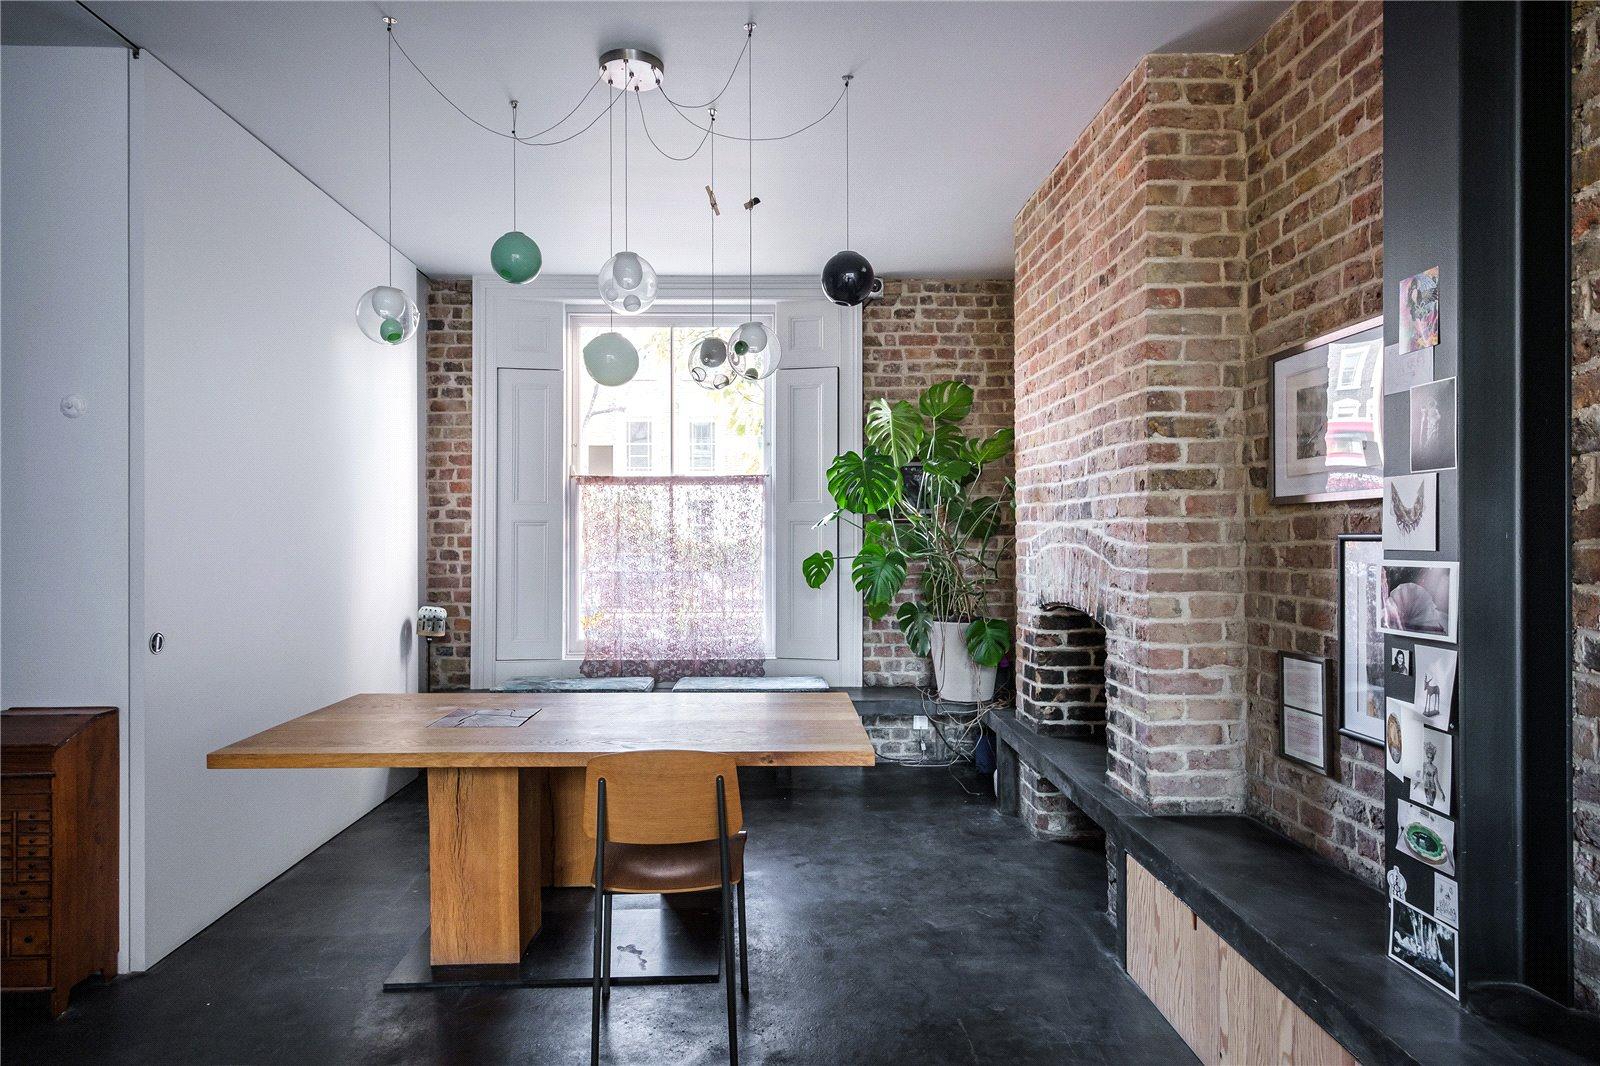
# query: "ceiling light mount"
{"points": [[632, 69]]}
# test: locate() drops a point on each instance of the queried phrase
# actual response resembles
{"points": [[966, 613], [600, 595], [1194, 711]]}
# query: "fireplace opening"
{"points": [[1061, 675]]}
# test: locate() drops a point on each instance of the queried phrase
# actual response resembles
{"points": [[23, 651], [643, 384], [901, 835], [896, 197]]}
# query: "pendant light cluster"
{"points": [[627, 283], [384, 313]]}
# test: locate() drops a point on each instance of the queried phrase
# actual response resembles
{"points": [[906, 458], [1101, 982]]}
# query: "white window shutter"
{"points": [[807, 435], [529, 512]]}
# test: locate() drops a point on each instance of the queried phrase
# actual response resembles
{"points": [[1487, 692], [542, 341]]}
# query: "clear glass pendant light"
{"points": [[384, 313], [709, 364], [753, 347], [611, 359], [627, 281]]}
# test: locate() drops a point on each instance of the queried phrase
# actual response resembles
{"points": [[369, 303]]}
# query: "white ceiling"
{"points": [[959, 110]]}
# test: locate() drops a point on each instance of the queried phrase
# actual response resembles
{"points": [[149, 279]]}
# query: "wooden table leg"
{"points": [[573, 860], [483, 863]]}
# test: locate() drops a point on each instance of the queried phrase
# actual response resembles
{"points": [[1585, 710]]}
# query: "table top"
{"points": [[394, 729]]}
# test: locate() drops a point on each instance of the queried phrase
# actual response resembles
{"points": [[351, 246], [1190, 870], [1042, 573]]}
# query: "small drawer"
{"points": [[26, 973], [28, 936], [25, 784], [36, 863], [25, 908], [29, 839], [25, 891], [33, 876], [36, 851]]}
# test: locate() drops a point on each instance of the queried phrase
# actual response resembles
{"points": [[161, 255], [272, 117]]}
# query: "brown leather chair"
{"points": [[665, 822]]}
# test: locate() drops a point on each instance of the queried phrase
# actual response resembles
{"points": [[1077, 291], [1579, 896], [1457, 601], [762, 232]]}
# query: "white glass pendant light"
{"points": [[627, 282], [384, 313], [753, 348], [709, 364]]}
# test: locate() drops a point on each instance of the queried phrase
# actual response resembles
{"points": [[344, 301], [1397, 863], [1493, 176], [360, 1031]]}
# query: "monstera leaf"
{"points": [[878, 572], [895, 429], [916, 622], [976, 519], [816, 567], [994, 446], [946, 401], [865, 484], [988, 640]]}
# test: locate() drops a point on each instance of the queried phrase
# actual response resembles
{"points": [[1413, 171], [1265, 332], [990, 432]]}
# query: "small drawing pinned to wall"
{"points": [[1419, 310]]}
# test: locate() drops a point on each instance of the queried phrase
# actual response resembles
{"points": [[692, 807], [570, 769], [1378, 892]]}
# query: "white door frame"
{"points": [[577, 291]]}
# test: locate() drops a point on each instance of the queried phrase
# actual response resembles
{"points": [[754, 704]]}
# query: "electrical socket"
{"points": [[919, 722]]}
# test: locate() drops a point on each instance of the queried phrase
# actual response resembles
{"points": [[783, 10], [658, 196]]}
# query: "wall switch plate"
{"points": [[919, 721]]}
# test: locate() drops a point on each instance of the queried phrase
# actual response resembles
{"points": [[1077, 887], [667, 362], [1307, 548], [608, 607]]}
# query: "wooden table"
{"points": [[505, 804]]}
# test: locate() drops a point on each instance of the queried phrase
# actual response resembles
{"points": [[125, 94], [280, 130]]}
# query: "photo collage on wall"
{"points": [[1418, 610], [1352, 419]]}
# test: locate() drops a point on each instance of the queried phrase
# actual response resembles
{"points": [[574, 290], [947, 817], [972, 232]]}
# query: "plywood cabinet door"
{"points": [[1174, 958], [1258, 1026]]}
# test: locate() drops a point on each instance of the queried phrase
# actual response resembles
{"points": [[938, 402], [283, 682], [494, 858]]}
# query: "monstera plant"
{"points": [[915, 493]]}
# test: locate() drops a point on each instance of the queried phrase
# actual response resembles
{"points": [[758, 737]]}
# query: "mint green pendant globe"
{"points": [[516, 258], [392, 331], [611, 359]]}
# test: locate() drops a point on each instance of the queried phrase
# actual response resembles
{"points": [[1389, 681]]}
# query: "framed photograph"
{"points": [[1411, 513], [1304, 731], [1325, 416], [1419, 310], [1430, 779], [1419, 600], [1436, 685], [1424, 945], [1433, 426], [1361, 662], [1426, 837]]}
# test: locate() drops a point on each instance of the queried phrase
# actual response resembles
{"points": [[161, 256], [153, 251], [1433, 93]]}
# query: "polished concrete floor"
{"points": [[894, 918]]}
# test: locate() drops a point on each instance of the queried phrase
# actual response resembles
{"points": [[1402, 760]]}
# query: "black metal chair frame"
{"points": [[602, 926]]}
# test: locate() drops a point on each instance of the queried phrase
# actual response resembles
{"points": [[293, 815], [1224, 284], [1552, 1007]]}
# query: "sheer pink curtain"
{"points": [[671, 577]]}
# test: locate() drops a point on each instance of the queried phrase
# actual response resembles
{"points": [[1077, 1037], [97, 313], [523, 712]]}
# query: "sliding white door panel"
{"points": [[529, 511], [807, 427]]}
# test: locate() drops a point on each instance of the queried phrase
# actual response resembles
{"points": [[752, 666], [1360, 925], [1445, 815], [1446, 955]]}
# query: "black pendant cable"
{"points": [[848, 279]]}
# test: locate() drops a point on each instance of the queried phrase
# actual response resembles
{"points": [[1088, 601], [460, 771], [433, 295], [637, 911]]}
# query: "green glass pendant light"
{"points": [[515, 257]]}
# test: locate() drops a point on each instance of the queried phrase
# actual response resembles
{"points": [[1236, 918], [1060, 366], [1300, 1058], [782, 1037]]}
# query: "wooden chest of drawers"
{"points": [[58, 848]]}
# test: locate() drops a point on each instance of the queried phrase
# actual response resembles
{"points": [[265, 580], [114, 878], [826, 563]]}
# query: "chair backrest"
{"points": [[662, 797]]}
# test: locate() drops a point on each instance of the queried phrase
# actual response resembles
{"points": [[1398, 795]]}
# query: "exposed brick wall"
{"points": [[922, 331], [1314, 126], [449, 475], [1586, 504], [1046, 811], [1131, 331]]}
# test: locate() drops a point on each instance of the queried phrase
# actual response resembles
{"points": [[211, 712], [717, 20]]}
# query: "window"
{"points": [[702, 446], [669, 564], [638, 445]]}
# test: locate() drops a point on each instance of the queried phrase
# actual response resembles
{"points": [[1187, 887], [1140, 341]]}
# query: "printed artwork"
{"points": [[1446, 907], [1419, 310], [1302, 684], [1419, 600], [1430, 778], [1405, 370], [1400, 662], [1433, 426], [1309, 392], [1423, 944], [1436, 684], [1411, 513], [1361, 663], [1426, 837], [1402, 738]]}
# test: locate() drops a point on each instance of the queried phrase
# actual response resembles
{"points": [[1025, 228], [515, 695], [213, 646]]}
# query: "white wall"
{"points": [[64, 332], [280, 478]]}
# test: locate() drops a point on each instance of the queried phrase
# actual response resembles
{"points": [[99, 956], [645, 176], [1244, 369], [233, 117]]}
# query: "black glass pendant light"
{"points": [[847, 278]]}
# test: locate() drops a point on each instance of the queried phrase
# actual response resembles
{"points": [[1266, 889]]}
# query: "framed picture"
{"points": [[1325, 415], [1424, 945], [1420, 600], [1361, 661], [1304, 730]]}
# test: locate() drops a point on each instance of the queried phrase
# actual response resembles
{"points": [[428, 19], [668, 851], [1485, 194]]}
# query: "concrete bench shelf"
{"points": [[1314, 931]]}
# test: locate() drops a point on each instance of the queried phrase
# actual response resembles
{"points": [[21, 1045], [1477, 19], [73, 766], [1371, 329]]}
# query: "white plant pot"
{"points": [[960, 679]]}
